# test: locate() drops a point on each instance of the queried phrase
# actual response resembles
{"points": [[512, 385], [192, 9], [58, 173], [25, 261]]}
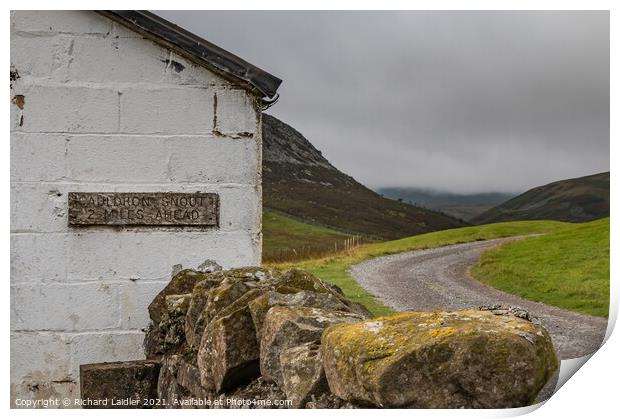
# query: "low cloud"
{"points": [[455, 101]]}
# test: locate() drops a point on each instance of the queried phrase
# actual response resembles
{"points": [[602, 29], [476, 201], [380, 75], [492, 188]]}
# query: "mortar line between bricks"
{"points": [[119, 306], [118, 110], [106, 183], [30, 81], [158, 230], [60, 34], [112, 282], [89, 332], [126, 134], [232, 137]]}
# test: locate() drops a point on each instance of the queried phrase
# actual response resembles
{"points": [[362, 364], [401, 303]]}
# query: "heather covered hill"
{"points": [[299, 181], [575, 200]]}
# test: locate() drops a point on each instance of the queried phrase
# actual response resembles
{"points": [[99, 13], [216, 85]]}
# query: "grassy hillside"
{"points": [[334, 269], [568, 268], [283, 237], [463, 206], [299, 181], [575, 200]]}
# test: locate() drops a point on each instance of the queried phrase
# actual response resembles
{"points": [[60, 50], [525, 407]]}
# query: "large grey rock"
{"points": [[181, 283], [295, 280], [114, 382], [153, 342], [261, 305], [228, 345], [229, 352], [179, 384], [286, 327], [173, 322], [168, 388], [219, 325], [168, 335], [188, 377], [471, 359], [198, 302], [303, 376], [222, 296], [209, 266]]}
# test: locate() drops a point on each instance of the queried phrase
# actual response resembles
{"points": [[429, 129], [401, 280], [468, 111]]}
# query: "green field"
{"points": [[283, 237], [568, 268], [334, 269]]}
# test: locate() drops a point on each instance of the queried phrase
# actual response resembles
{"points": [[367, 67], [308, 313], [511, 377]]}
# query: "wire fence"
{"points": [[295, 254]]}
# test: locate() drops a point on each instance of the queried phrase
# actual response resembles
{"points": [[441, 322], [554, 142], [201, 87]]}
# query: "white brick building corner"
{"points": [[98, 107]]}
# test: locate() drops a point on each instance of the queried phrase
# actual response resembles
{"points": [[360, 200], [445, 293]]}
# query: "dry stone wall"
{"points": [[257, 337]]}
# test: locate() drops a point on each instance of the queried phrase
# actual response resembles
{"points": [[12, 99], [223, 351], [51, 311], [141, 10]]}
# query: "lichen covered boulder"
{"points": [[222, 296], [261, 305], [168, 336], [295, 280], [217, 299], [302, 374], [180, 377], [286, 327], [207, 328], [181, 283], [111, 382], [197, 304], [471, 359], [229, 351], [168, 388], [173, 321]]}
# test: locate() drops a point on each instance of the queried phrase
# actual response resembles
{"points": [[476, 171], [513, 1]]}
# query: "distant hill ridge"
{"points": [[575, 200], [299, 181], [459, 205]]}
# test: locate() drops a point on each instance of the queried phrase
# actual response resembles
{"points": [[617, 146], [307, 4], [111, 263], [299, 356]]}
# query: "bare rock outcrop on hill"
{"points": [[299, 181]]}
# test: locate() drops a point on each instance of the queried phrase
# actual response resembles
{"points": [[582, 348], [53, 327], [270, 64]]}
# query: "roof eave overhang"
{"points": [[198, 50]]}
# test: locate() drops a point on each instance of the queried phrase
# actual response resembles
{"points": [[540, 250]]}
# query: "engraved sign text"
{"points": [[143, 209]]}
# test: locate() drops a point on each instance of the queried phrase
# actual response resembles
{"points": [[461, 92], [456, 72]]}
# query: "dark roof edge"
{"points": [[197, 49]]}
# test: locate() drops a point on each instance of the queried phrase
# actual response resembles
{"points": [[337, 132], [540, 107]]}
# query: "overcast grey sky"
{"points": [[455, 101]]}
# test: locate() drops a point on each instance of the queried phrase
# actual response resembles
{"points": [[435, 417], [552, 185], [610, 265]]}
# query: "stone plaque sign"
{"points": [[143, 209]]}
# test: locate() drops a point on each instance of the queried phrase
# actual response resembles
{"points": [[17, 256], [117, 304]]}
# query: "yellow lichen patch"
{"points": [[298, 280], [444, 331], [434, 348]]}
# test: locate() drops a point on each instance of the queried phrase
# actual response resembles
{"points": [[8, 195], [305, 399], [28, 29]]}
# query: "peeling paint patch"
{"points": [[19, 100], [176, 66], [14, 77]]}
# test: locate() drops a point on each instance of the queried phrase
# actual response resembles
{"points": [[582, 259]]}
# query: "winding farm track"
{"points": [[439, 278]]}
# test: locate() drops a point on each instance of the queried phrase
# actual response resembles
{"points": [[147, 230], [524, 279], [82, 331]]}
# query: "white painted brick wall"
{"points": [[229, 121], [65, 307], [59, 21], [185, 110], [40, 207], [38, 258], [88, 348], [48, 356], [106, 110], [57, 108]]}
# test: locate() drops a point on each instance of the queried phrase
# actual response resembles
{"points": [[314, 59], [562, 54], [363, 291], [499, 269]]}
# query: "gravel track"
{"points": [[427, 280]]}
